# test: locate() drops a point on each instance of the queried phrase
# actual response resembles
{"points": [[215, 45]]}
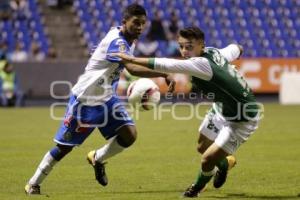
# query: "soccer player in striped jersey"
{"points": [[95, 104], [234, 115]]}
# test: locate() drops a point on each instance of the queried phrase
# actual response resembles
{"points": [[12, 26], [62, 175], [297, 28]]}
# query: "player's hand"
{"points": [[241, 50], [171, 83], [124, 57]]}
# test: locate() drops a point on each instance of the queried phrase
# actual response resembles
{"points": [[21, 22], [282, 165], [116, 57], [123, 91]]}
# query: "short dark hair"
{"points": [[192, 33], [133, 10]]}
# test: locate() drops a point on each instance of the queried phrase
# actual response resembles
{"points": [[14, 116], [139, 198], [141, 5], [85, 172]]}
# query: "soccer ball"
{"points": [[143, 94]]}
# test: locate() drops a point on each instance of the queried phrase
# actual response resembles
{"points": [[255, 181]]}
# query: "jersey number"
{"points": [[234, 73]]}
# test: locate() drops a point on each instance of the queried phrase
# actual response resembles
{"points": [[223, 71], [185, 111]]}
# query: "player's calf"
{"points": [[221, 175]]}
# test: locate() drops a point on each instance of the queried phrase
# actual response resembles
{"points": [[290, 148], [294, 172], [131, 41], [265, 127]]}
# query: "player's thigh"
{"points": [[244, 130], [203, 143], [209, 129], [72, 132], [228, 140], [234, 134], [119, 124]]}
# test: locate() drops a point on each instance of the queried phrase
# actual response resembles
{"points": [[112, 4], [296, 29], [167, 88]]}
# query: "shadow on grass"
{"points": [[251, 196], [226, 196], [146, 192]]}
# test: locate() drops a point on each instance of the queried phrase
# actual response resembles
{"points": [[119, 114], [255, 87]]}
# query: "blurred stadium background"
{"points": [[50, 40]]}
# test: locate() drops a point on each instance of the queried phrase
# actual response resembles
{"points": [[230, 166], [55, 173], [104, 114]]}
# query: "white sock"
{"points": [[43, 169], [110, 149]]}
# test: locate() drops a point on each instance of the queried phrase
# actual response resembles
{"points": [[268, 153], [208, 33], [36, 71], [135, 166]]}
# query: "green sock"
{"points": [[203, 178], [223, 164]]}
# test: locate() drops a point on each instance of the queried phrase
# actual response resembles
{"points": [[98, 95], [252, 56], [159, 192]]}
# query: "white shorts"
{"points": [[227, 135]]}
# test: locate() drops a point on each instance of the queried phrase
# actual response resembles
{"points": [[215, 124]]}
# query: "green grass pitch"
{"points": [[161, 164]]}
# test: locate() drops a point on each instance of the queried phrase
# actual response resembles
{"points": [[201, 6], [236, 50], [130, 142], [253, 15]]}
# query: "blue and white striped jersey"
{"points": [[100, 79]]}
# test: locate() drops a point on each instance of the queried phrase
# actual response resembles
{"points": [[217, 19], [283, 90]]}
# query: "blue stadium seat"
{"points": [[25, 31], [253, 23]]}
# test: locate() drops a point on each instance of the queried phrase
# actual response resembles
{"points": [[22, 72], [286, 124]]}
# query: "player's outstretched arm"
{"points": [[241, 48], [125, 58], [139, 70], [142, 71], [232, 52], [198, 67]]}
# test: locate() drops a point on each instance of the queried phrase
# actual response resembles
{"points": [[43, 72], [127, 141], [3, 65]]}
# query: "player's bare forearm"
{"points": [[144, 62], [169, 65], [140, 61], [142, 71]]}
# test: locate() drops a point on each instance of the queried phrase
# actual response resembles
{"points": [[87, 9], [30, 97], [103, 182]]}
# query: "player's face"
{"points": [[190, 47], [135, 25]]}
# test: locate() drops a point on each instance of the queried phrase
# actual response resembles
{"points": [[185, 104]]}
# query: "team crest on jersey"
{"points": [[122, 47]]}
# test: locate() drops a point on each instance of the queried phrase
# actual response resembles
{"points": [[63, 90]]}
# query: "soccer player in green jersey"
{"points": [[234, 115]]}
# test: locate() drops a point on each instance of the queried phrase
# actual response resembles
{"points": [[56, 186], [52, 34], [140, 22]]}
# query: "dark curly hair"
{"points": [[133, 10]]}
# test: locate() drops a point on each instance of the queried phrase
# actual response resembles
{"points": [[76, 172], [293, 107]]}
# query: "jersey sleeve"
{"points": [[231, 52], [117, 46], [198, 67]]}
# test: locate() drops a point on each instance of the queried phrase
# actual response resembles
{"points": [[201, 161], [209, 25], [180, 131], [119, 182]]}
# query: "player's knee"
{"points": [[207, 160], [128, 140], [126, 136], [59, 151], [65, 149]]}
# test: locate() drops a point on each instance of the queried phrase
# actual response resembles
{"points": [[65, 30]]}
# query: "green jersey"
{"points": [[232, 95], [212, 73]]}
